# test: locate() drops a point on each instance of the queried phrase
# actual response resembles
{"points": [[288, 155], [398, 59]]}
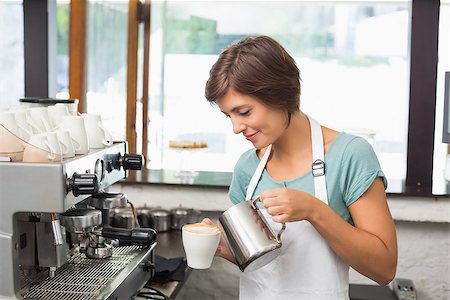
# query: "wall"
{"points": [[423, 231]]}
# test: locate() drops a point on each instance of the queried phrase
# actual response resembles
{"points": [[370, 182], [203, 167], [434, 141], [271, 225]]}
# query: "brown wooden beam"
{"points": [[132, 61], [77, 52]]}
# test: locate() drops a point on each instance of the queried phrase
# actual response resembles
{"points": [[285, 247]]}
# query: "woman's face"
{"points": [[259, 124]]}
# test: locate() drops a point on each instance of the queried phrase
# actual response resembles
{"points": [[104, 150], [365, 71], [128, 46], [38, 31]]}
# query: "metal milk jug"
{"points": [[250, 238]]}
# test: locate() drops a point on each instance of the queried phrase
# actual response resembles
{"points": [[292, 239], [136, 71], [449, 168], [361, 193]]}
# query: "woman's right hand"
{"points": [[222, 250]]}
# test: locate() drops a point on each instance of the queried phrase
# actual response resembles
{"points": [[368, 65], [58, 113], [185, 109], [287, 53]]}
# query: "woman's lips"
{"points": [[251, 137]]}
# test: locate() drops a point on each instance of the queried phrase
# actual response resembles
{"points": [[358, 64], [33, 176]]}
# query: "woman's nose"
{"points": [[238, 127]]}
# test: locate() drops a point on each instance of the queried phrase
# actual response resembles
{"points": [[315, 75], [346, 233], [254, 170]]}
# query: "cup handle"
{"points": [[107, 141], [46, 125], [76, 144], [65, 147], [34, 125], [283, 225], [52, 154]]}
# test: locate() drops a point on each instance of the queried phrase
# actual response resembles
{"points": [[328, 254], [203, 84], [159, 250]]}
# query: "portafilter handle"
{"points": [[137, 236], [83, 184]]}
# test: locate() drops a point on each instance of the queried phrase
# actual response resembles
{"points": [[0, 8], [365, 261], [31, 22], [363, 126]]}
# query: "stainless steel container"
{"points": [[161, 219], [180, 217], [250, 238], [124, 218], [144, 217]]}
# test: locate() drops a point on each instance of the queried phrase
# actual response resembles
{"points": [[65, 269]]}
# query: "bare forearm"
{"points": [[363, 251]]}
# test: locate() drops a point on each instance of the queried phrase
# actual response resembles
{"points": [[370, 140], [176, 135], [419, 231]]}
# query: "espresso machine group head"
{"points": [[54, 236]]}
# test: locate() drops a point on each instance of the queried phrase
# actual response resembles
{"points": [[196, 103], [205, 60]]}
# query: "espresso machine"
{"points": [[55, 238]]}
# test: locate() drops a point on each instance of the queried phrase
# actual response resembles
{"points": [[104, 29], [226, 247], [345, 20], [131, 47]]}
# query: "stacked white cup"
{"points": [[58, 130]]}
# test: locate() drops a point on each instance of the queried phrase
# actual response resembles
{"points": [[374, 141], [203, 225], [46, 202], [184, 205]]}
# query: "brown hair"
{"points": [[257, 66]]}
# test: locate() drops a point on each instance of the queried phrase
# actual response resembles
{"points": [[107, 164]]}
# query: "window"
{"points": [[12, 74], [107, 23], [353, 58]]}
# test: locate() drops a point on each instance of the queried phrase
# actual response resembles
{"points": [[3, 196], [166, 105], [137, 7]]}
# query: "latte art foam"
{"points": [[201, 228]]}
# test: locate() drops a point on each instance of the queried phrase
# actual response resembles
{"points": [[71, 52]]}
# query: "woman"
{"points": [[327, 185]]}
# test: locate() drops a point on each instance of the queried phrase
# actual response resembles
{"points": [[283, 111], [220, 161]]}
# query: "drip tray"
{"points": [[82, 278]]}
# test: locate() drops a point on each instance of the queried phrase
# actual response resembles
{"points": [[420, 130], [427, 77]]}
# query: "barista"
{"points": [[327, 185]]}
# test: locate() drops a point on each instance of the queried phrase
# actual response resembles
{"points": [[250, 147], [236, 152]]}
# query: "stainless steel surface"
{"points": [[143, 215], [161, 219], [252, 242], [79, 219], [124, 218], [108, 200], [103, 252], [180, 217], [32, 197], [57, 234], [49, 254], [83, 278]]}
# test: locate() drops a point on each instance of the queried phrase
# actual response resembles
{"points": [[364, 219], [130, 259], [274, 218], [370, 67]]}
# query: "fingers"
{"points": [[283, 218], [270, 194], [274, 210], [208, 221]]}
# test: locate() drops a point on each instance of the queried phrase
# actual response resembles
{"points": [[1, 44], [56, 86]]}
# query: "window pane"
{"points": [[354, 79], [107, 63], [62, 29], [441, 164], [12, 76]]}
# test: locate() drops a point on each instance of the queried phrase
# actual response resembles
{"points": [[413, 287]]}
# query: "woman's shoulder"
{"points": [[348, 144]]}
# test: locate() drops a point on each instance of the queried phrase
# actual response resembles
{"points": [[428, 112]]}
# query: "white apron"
{"points": [[307, 267]]}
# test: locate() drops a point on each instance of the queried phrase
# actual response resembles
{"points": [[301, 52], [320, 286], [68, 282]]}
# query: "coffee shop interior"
{"points": [[108, 146]]}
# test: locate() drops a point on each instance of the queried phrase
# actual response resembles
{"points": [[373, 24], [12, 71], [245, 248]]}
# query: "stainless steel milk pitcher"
{"points": [[250, 238]]}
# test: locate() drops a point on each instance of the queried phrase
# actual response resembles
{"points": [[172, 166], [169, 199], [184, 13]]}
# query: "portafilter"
{"points": [[97, 241]]}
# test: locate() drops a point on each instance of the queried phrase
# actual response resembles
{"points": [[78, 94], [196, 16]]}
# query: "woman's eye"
{"points": [[244, 113]]}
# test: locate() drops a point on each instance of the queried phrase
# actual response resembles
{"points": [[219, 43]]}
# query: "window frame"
{"points": [[422, 98]]}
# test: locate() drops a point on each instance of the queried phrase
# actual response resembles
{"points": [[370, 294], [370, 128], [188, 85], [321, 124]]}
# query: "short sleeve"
{"points": [[241, 177], [359, 168]]}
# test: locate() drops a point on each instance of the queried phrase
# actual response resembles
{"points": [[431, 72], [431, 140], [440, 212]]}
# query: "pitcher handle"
{"points": [[283, 225]]}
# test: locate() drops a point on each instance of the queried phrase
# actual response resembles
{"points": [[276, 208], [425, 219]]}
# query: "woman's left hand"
{"points": [[287, 205]]}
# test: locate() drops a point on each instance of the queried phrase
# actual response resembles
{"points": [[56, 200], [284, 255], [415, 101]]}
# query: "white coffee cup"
{"points": [[67, 142], [56, 113], [75, 125], [39, 120], [72, 108], [200, 243], [25, 129], [98, 135], [54, 143], [38, 149]]}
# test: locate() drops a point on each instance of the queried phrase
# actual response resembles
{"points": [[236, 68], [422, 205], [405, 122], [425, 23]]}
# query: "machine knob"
{"points": [[83, 184], [131, 161]]}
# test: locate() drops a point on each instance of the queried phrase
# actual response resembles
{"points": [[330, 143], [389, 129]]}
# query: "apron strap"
{"points": [[259, 170], [318, 161], [318, 165]]}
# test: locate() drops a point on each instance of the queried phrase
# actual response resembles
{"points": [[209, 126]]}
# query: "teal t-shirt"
{"points": [[351, 166]]}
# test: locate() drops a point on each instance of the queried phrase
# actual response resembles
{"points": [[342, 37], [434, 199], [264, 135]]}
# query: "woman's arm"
{"points": [[370, 247]]}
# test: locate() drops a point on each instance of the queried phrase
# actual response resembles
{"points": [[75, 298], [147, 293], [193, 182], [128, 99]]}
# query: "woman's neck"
{"points": [[296, 140]]}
